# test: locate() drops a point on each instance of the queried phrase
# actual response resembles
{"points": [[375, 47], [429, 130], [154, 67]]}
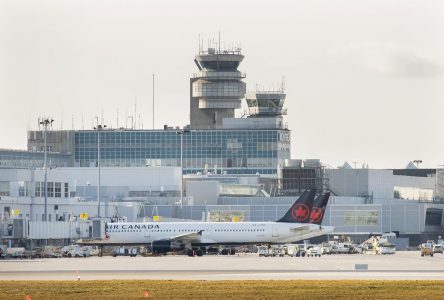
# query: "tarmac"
{"points": [[402, 265]]}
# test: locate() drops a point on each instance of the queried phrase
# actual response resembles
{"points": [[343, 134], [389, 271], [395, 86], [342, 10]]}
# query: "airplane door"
{"points": [[146, 235], [275, 232]]}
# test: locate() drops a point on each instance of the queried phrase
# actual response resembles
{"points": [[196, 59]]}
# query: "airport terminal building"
{"points": [[218, 168]]}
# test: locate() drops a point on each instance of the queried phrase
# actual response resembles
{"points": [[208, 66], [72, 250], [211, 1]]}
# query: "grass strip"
{"points": [[239, 289]]}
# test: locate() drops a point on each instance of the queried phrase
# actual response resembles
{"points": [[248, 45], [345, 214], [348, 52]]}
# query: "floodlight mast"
{"points": [[99, 128], [45, 122]]}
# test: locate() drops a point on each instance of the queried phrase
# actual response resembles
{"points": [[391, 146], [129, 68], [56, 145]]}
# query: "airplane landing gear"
{"points": [[100, 254], [191, 253]]}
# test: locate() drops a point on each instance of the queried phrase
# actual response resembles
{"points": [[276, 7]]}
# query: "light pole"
{"points": [[45, 122], [99, 128], [182, 132], [439, 182]]}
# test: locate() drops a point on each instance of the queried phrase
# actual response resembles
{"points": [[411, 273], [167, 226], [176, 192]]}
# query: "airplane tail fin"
{"points": [[319, 207], [300, 211]]}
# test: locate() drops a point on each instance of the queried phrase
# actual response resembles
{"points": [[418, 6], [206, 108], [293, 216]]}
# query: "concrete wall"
{"points": [[203, 192], [349, 182]]}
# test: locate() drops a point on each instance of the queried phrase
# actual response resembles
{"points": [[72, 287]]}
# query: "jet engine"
{"points": [[166, 246]]}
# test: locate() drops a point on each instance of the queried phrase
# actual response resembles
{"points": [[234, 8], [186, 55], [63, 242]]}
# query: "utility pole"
{"points": [[45, 122], [99, 128]]}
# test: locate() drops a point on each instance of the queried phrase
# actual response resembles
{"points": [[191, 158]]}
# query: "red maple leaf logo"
{"points": [[300, 212], [316, 214]]}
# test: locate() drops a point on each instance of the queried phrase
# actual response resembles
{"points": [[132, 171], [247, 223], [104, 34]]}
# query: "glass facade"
{"points": [[413, 193], [29, 159], [220, 151]]}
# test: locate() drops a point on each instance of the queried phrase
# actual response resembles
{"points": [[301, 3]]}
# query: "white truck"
{"points": [[346, 248], [76, 251], [16, 252], [314, 251], [263, 251], [277, 250]]}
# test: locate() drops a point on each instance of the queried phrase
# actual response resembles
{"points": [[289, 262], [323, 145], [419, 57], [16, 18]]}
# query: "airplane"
{"points": [[195, 236], [319, 207], [317, 214]]}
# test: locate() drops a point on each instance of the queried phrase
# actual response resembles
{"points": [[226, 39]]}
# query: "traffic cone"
{"points": [[146, 294], [28, 297]]}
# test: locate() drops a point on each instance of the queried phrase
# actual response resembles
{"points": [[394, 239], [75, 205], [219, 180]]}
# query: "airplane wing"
{"points": [[189, 237]]}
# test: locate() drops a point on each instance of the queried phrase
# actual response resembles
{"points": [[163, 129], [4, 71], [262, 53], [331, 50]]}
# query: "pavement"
{"points": [[402, 265]]}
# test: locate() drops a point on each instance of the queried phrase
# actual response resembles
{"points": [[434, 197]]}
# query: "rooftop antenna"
{"points": [[117, 119], [135, 112], [83, 123], [219, 41], [153, 97], [61, 122], [126, 118], [72, 122], [354, 164]]}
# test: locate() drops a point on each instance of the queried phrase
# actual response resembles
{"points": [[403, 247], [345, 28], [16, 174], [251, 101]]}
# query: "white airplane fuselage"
{"points": [[213, 232]]}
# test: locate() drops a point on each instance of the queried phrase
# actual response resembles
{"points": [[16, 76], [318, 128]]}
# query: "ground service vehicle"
{"points": [[299, 251], [426, 249], [314, 251], [346, 248], [325, 248], [277, 250], [437, 248], [76, 251], [3, 251], [263, 251], [122, 251]]}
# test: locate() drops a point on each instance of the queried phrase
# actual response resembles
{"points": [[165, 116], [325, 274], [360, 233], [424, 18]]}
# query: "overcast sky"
{"points": [[364, 79]]}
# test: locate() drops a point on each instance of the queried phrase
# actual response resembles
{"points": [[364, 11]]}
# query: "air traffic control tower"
{"points": [[217, 89]]}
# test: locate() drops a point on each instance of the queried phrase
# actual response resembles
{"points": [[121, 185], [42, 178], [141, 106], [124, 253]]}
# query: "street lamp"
{"points": [[99, 128], [182, 132], [45, 122]]}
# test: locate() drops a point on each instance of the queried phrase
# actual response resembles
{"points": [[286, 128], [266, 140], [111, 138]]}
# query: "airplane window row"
{"points": [[190, 230], [127, 230], [241, 230]]}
